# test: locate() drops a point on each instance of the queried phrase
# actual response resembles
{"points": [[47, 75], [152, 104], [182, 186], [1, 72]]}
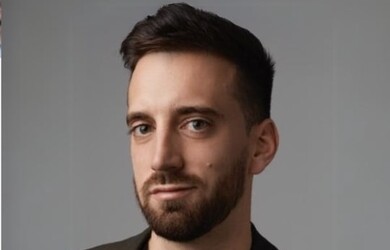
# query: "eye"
{"points": [[140, 130], [197, 125]]}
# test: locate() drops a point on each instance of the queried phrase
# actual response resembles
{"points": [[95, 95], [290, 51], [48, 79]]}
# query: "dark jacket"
{"points": [[140, 242]]}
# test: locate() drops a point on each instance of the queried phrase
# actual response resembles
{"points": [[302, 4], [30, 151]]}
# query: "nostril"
{"points": [[168, 163], [171, 166]]}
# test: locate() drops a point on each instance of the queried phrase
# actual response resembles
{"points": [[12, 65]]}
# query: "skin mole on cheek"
{"points": [[209, 165]]}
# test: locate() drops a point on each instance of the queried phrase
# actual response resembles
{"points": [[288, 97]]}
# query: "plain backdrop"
{"points": [[66, 169]]}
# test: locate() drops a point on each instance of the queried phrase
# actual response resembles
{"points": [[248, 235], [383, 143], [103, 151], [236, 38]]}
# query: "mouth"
{"points": [[171, 191]]}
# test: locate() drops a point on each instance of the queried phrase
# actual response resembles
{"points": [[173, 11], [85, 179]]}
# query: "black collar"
{"points": [[258, 241]]}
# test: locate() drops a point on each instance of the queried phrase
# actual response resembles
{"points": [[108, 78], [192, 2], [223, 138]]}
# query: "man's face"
{"points": [[189, 146]]}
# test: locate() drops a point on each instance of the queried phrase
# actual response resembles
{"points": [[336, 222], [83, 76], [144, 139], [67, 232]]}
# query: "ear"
{"points": [[265, 140]]}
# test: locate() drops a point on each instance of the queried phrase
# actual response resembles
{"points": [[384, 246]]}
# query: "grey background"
{"points": [[66, 172]]}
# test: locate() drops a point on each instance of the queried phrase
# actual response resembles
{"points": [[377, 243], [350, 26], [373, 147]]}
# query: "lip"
{"points": [[171, 191]]}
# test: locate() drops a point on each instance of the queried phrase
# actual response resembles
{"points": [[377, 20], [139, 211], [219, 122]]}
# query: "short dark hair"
{"points": [[181, 27]]}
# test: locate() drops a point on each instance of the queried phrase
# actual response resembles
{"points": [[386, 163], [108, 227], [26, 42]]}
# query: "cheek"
{"points": [[139, 163], [207, 160]]}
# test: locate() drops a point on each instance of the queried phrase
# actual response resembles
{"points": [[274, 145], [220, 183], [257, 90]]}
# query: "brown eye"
{"points": [[197, 125], [141, 130]]}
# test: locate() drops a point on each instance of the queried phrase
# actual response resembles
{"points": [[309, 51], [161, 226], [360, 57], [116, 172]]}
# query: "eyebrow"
{"points": [[198, 110], [185, 110], [136, 116]]}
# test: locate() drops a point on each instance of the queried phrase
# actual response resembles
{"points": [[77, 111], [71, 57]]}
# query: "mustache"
{"points": [[163, 178]]}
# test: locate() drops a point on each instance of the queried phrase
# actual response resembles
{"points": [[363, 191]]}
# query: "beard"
{"points": [[184, 220]]}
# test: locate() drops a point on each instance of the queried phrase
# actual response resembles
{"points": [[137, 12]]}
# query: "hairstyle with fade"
{"points": [[181, 27]]}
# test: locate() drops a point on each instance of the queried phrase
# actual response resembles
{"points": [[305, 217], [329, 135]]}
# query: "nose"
{"points": [[167, 152]]}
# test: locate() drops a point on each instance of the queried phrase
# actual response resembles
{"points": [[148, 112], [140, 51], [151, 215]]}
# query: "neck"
{"points": [[233, 233]]}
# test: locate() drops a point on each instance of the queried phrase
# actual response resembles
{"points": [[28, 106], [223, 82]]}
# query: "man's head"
{"points": [[180, 27], [198, 116]]}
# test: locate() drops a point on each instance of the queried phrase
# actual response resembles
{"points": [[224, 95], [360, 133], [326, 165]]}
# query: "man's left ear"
{"points": [[265, 144]]}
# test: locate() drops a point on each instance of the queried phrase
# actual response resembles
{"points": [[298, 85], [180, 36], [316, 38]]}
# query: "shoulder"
{"points": [[259, 242], [134, 243]]}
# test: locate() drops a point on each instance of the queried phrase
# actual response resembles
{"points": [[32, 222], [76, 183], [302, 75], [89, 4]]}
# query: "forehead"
{"points": [[173, 78]]}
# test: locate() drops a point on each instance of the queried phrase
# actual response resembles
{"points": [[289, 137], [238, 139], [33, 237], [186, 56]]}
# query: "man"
{"points": [[200, 129]]}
